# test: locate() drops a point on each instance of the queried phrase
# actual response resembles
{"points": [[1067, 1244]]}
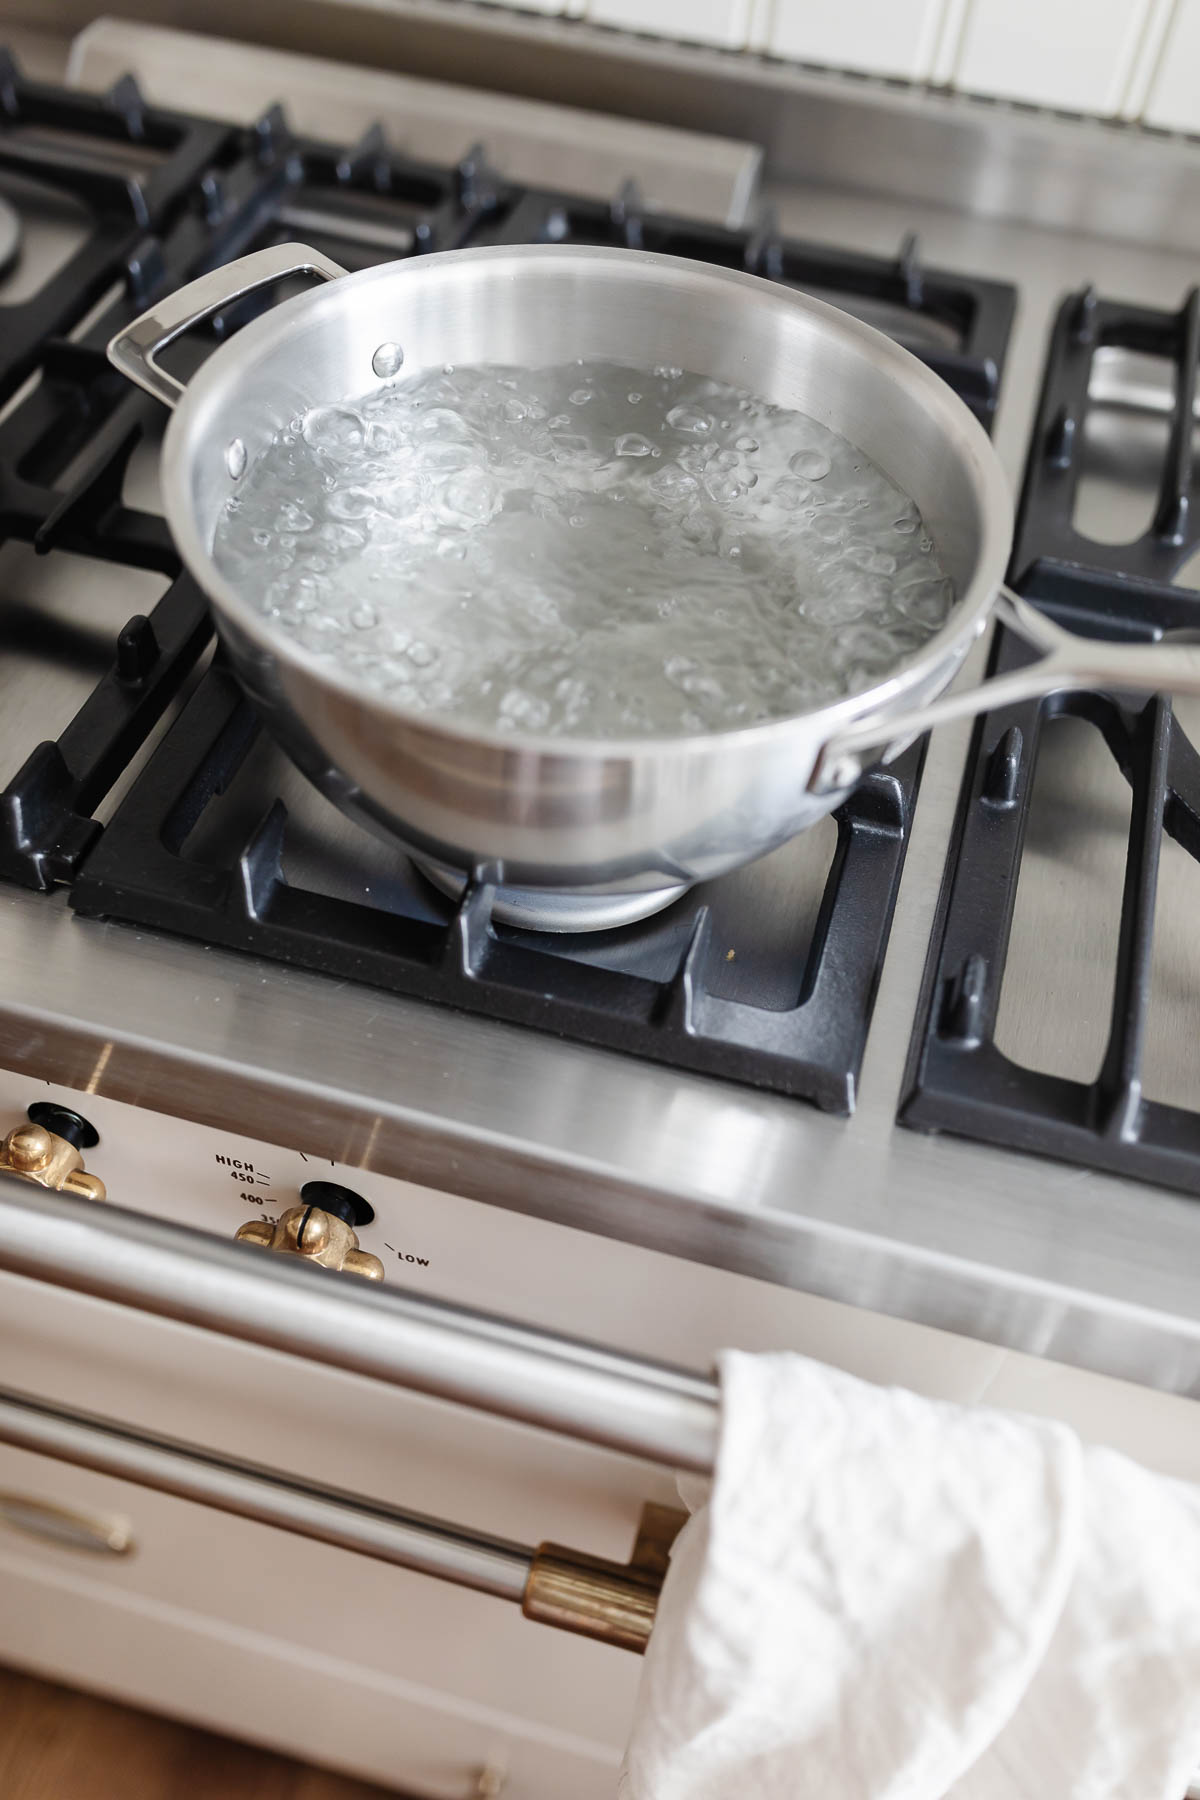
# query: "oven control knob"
{"points": [[316, 1235], [38, 1154]]}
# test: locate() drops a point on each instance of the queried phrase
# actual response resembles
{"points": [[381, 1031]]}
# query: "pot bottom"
{"points": [[543, 909]]}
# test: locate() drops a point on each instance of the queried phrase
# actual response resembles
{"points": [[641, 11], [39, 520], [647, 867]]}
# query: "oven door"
{"points": [[173, 1407]]}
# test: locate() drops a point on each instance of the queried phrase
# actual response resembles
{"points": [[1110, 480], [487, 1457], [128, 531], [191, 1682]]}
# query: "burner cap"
{"points": [[536, 909], [11, 233]]}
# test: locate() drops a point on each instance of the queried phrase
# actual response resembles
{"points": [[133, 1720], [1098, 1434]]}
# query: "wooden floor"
{"points": [[57, 1744]]}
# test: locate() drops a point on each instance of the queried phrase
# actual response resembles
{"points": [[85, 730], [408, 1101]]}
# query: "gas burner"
{"points": [[540, 909], [1141, 363], [766, 976]]}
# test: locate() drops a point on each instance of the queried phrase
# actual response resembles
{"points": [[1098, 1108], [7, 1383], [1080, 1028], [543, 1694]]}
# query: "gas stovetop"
{"points": [[186, 925], [766, 976]]}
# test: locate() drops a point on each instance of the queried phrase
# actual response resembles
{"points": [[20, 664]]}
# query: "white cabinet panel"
{"points": [[460, 1653], [58, 1619], [698, 21], [882, 37], [1174, 98], [1052, 52]]}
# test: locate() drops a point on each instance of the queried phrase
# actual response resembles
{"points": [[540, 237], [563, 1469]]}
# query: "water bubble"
{"points": [[924, 602], [827, 528], [580, 396], [334, 428], [727, 487], [696, 456], [334, 535], [387, 359], [521, 709], [444, 459], [423, 655], [674, 484], [382, 438], [632, 443], [569, 447], [472, 495], [812, 465], [522, 407], [689, 419], [444, 423], [364, 617], [352, 503]]}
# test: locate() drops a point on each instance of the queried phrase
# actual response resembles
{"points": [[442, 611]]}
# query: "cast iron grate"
{"points": [[796, 1021], [958, 1080]]}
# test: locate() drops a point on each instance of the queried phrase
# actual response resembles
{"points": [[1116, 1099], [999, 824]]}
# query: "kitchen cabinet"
{"points": [[1051, 52], [724, 22], [880, 37], [1173, 99], [308, 1651]]}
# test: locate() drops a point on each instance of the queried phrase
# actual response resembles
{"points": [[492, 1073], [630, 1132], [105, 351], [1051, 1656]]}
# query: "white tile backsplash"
{"points": [[1173, 99], [1052, 52], [949, 42], [880, 37], [724, 22], [1130, 59], [1148, 58]]}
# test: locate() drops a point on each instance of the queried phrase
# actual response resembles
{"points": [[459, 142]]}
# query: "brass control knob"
{"points": [[318, 1236], [36, 1153]]}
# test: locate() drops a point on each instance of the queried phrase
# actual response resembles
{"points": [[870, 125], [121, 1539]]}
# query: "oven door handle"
{"points": [[646, 1409], [589, 1595]]}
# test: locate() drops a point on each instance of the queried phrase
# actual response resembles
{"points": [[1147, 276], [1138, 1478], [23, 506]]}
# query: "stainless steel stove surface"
{"points": [[184, 924], [756, 978]]}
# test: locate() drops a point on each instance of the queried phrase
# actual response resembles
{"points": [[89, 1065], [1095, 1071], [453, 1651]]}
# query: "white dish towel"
{"points": [[890, 1598]]}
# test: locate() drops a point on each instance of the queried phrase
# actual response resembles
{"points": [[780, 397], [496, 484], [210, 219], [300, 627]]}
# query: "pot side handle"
{"points": [[135, 349], [1067, 661]]}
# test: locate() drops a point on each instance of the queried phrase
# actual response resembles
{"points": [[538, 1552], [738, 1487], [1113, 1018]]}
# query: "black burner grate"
{"points": [[177, 854], [958, 1079]]}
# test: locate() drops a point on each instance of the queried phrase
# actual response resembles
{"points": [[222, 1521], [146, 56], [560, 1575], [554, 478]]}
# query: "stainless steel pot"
{"points": [[578, 833]]}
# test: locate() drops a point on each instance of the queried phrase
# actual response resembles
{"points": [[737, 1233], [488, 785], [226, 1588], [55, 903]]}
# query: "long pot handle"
{"points": [[1068, 661], [135, 350]]}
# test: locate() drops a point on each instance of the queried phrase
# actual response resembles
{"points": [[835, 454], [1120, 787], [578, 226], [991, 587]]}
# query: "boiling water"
{"points": [[585, 549]]}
